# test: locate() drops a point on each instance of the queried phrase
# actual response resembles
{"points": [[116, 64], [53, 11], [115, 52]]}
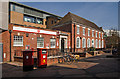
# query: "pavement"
{"points": [[93, 67]]}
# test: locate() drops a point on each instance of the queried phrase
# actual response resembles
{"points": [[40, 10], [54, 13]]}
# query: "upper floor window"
{"points": [[78, 29], [96, 35], [52, 22], [29, 19], [13, 7], [93, 33], [102, 35], [40, 42], [88, 32], [77, 42], [39, 20], [52, 43], [18, 41], [83, 31], [99, 35]]}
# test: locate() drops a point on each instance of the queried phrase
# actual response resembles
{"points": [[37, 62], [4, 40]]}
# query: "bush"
{"points": [[91, 49]]}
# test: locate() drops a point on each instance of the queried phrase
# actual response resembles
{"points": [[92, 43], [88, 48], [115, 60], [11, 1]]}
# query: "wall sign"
{"points": [[22, 29]]}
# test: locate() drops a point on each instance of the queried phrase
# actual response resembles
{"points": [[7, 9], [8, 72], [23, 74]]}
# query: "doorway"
{"points": [[62, 44]]}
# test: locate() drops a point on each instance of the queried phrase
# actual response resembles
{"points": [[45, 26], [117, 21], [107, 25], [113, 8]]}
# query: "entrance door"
{"points": [[62, 45]]}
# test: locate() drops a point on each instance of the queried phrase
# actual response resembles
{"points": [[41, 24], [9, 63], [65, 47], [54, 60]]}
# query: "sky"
{"points": [[103, 14]]}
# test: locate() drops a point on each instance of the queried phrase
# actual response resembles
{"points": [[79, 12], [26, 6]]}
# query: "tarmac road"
{"points": [[93, 67]]}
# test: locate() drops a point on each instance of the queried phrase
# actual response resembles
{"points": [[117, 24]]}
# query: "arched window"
{"points": [[78, 42], [83, 42], [88, 42], [102, 44], [99, 44], [92, 42], [96, 43]]}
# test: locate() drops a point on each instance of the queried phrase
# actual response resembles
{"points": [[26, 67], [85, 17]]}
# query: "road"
{"points": [[93, 67]]}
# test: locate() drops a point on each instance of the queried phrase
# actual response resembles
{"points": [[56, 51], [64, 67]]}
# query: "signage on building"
{"points": [[22, 29]]}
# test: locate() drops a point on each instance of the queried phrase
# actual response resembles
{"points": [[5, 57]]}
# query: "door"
{"points": [[62, 45]]}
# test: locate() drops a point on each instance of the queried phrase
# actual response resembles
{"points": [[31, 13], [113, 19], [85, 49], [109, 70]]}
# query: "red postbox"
{"points": [[28, 60], [42, 57]]}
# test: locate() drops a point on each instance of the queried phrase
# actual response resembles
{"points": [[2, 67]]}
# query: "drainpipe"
{"points": [[10, 31], [74, 37]]}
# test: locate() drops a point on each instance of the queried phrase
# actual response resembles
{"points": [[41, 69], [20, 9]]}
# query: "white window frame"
{"points": [[92, 33], [102, 35], [78, 29], [83, 43], [78, 43], [96, 34], [96, 43], [99, 34], [99, 44], [52, 43], [93, 44], [84, 31], [40, 38], [102, 43], [88, 32], [88, 43], [17, 41]]}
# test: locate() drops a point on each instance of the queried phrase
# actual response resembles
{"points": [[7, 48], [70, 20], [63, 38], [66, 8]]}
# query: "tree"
{"points": [[112, 39]]}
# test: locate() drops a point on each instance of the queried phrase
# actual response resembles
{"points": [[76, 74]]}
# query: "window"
{"points": [[96, 35], [83, 43], [13, 7], [99, 34], [88, 42], [52, 22], [18, 41], [102, 35], [92, 33], [78, 42], [83, 31], [92, 42], [88, 32], [78, 29], [29, 19], [40, 42], [52, 43], [99, 44], [96, 43], [55, 21], [39, 20], [102, 44]]}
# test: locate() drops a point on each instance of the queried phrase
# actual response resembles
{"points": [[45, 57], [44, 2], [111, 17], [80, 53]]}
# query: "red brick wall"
{"points": [[31, 40], [70, 28]]}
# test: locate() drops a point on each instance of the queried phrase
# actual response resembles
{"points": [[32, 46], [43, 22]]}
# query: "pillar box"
{"points": [[28, 60], [42, 57]]}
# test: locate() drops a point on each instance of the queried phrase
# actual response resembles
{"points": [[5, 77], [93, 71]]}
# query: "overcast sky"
{"points": [[104, 14]]}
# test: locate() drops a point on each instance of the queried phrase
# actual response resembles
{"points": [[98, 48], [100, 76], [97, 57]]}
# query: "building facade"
{"points": [[27, 29], [84, 34], [31, 28]]}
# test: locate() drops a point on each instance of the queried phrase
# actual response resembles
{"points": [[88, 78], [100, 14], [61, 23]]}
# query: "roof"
{"points": [[70, 17], [34, 9]]}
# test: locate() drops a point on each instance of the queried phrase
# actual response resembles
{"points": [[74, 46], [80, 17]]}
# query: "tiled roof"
{"points": [[70, 17]]}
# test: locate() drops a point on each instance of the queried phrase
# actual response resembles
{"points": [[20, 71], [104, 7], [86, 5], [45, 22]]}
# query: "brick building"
{"points": [[32, 28], [27, 29], [84, 34]]}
